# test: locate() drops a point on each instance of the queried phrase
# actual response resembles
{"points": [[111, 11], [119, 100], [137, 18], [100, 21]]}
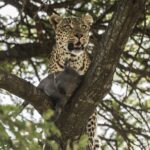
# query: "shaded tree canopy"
{"points": [[117, 82]]}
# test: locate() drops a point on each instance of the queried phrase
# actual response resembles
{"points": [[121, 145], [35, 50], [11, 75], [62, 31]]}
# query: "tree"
{"points": [[121, 33]]}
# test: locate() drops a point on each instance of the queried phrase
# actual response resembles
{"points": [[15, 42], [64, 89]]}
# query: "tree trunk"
{"points": [[98, 80]]}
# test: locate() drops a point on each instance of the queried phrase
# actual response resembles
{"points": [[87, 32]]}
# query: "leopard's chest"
{"points": [[80, 63]]}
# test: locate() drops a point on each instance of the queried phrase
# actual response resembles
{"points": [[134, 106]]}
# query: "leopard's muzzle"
{"points": [[75, 47]]}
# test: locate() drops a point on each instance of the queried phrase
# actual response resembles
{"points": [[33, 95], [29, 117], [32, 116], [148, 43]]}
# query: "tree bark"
{"points": [[98, 80], [26, 91], [22, 52]]}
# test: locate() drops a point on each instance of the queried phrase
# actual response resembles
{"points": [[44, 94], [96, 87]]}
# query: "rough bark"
{"points": [[98, 80], [25, 51], [26, 91]]}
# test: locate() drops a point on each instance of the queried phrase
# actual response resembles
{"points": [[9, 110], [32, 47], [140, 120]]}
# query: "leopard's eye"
{"points": [[84, 26], [67, 26]]}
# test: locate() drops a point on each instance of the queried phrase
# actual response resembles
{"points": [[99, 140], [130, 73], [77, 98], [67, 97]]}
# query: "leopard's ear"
{"points": [[88, 19], [54, 20]]}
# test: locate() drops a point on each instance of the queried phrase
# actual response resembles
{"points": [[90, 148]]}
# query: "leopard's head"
{"points": [[72, 33]]}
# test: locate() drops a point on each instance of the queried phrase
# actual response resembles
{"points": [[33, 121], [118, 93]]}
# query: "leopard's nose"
{"points": [[78, 35]]}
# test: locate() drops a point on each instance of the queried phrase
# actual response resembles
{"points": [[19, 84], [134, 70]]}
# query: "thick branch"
{"points": [[25, 90], [99, 77], [25, 51]]}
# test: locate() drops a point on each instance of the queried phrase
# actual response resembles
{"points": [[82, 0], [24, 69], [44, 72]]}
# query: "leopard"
{"points": [[71, 44]]}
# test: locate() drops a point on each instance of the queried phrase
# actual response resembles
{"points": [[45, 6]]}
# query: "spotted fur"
{"points": [[75, 31], [72, 37]]}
